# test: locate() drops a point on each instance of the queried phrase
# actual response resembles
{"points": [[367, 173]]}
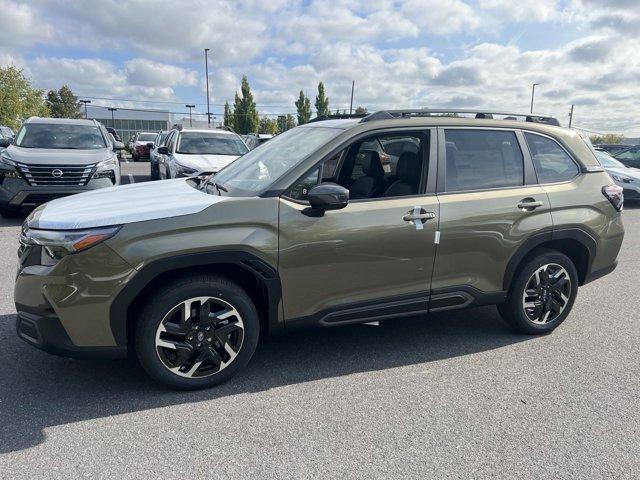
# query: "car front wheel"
{"points": [[542, 293], [196, 332]]}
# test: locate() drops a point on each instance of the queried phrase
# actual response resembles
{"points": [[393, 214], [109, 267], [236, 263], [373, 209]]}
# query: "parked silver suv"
{"points": [[56, 157]]}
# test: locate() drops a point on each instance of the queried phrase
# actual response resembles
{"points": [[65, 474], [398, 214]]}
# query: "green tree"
{"points": [[607, 138], [245, 114], [268, 125], [229, 117], [63, 103], [322, 102], [303, 105], [19, 100], [286, 122], [361, 110]]}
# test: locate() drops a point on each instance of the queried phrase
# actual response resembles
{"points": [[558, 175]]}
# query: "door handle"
{"points": [[410, 217], [529, 204]]}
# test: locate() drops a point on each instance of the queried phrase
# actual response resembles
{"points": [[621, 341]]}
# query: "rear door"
{"points": [[490, 204]]}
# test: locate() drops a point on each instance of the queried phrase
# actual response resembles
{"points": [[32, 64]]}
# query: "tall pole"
{"points": [[571, 116], [190, 107], [353, 85], [533, 91], [85, 107], [113, 122], [206, 71]]}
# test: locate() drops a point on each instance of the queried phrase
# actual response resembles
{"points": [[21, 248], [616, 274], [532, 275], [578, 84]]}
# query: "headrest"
{"points": [[371, 164], [408, 168]]}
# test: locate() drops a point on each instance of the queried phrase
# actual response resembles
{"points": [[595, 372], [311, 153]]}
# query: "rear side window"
{"points": [[552, 163], [482, 159]]}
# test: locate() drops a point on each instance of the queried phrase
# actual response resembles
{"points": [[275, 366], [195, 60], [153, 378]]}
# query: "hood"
{"points": [[143, 142], [136, 202], [632, 173], [54, 156], [205, 163]]}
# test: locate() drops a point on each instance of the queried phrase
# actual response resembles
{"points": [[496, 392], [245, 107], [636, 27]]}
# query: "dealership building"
{"points": [[128, 121]]}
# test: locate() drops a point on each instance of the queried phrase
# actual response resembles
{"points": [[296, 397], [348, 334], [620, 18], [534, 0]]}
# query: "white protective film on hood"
{"points": [[125, 204], [205, 162]]}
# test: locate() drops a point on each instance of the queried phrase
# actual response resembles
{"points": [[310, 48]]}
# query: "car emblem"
{"points": [[56, 173]]}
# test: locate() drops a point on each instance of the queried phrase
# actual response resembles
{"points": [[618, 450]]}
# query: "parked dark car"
{"points": [[629, 156]]}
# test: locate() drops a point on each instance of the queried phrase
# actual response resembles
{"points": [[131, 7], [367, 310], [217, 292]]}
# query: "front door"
{"points": [[372, 259]]}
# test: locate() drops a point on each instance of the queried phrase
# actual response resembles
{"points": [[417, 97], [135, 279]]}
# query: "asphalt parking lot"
{"points": [[455, 395]]}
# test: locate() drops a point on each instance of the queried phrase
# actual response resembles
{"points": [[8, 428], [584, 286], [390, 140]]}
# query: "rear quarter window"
{"points": [[552, 163]]}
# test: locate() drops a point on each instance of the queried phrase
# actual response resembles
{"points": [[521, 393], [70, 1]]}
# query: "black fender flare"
{"points": [[578, 234], [266, 274]]}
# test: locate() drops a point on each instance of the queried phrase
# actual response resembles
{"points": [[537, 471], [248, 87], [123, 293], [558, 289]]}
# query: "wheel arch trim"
{"points": [[577, 234], [262, 271]]}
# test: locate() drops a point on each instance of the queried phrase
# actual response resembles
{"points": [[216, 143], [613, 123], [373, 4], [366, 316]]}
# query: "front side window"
{"points": [[482, 159], [60, 136], [368, 171], [552, 163], [210, 143]]}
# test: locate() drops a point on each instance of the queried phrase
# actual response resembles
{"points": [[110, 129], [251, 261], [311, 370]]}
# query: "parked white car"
{"points": [[189, 152]]}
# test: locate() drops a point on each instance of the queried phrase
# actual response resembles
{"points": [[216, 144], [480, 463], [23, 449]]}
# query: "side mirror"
{"points": [[150, 144], [163, 150], [118, 146], [326, 196], [5, 142]]}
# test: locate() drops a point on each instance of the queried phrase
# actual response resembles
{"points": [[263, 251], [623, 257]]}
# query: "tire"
{"points": [[167, 173], [155, 175], [549, 299], [169, 348], [9, 212]]}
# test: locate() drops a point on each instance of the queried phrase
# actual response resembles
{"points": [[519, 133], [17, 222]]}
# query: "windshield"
{"points": [[210, 143], [254, 172], [608, 161], [146, 137], [161, 137], [60, 136]]}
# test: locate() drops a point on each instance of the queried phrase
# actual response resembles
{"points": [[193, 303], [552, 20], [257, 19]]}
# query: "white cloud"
{"points": [[522, 10], [148, 73], [21, 25]]}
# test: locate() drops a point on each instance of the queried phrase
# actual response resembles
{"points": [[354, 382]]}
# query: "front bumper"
{"points": [[48, 334], [65, 309], [16, 192]]}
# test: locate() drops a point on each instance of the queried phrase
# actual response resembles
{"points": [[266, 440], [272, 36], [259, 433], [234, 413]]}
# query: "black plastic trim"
{"points": [[48, 334], [261, 270], [600, 273], [538, 239]]}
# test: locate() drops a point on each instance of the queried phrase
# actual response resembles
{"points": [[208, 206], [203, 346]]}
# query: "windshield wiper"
{"points": [[220, 187]]}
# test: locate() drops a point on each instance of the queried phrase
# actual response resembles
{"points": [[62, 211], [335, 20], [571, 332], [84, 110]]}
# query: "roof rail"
{"points": [[339, 116], [488, 114]]}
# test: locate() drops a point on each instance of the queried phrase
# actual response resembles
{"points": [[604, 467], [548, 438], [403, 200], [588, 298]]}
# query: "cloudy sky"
{"points": [[413, 53]]}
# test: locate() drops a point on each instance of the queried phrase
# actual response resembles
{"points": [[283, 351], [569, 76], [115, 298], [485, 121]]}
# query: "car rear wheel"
{"points": [[196, 332], [542, 293], [155, 174]]}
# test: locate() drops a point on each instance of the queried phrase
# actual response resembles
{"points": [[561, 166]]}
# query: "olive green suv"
{"points": [[331, 223]]}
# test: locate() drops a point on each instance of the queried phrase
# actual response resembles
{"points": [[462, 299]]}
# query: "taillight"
{"points": [[614, 195]]}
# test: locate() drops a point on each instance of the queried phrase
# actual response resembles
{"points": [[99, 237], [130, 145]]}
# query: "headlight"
{"points": [[106, 169], [57, 244], [184, 170], [618, 178], [8, 168]]}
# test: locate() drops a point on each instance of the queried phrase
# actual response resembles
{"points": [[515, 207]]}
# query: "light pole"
{"points": [[206, 71], [85, 106], [190, 107], [533, 91], [353, 85], [113, 122]]}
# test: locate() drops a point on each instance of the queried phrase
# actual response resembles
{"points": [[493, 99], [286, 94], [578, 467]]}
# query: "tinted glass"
{"points": [[481, 159], [551, 161], [147, 137], [60, 136], [210, 143], [629, 154], [255, 171]]}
